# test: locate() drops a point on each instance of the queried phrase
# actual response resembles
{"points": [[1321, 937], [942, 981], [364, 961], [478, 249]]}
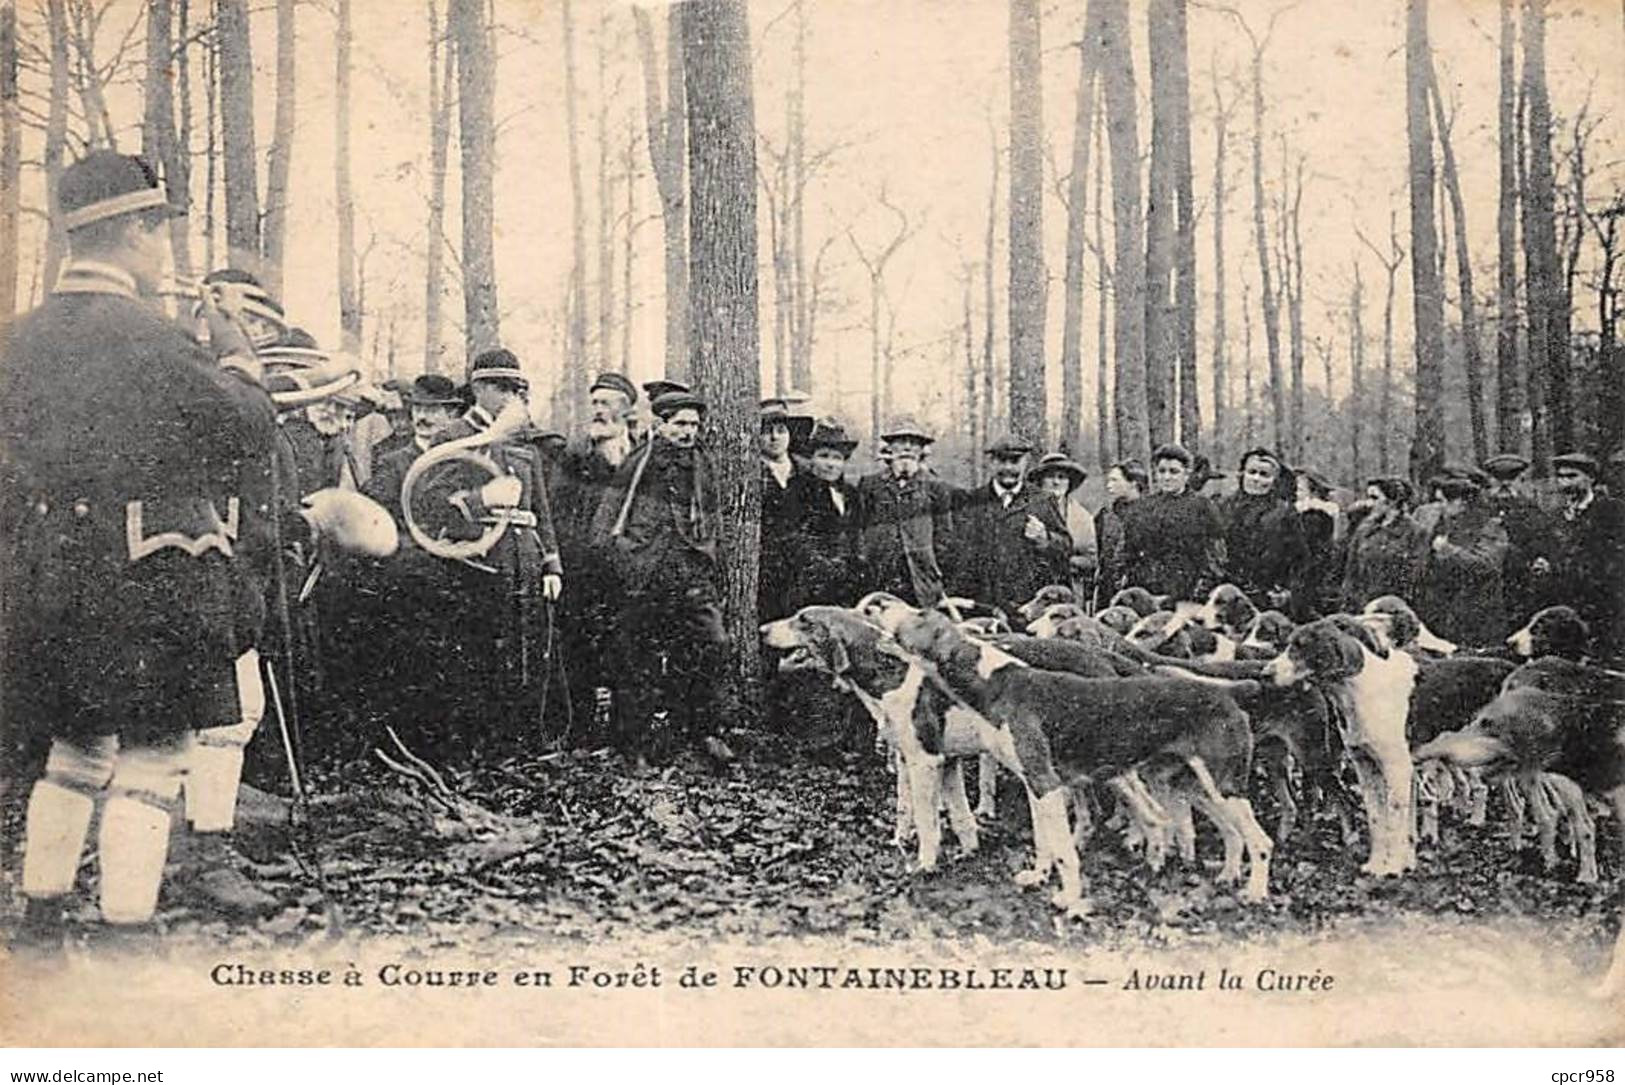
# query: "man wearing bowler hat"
{"points": [[907, 535], [119, 515], [1011, 536], [1587, 565]]}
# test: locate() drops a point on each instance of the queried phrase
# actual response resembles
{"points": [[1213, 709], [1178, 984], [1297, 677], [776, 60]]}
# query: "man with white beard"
{"points": [[591, 600]]}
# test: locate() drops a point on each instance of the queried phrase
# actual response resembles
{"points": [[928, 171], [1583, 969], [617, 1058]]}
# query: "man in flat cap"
{"points": [[590, 605], [659, 527], [1011, 538], [500, 629], [1587, 567], [1460, 591], [119, 515], [907, 539], [1528, 529]]}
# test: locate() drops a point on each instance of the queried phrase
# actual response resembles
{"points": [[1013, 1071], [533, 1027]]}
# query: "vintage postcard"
{"points": [[772, 523]]}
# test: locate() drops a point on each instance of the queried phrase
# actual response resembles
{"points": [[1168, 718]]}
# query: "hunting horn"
{"points": [[511, 420]]}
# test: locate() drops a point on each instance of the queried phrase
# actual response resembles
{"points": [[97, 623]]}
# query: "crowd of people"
{"points": [[188, 517]]}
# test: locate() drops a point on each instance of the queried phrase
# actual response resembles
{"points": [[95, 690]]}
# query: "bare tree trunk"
{"points": [[628, 254], [875, 266], [56, 134], [1427, 305], [442, 70], [1221, 377], [1103, 428], [158, 142], [476, 94], [1076, 211], [1471, 348], [723, 298], [667, 130], [1029, 413], [10, 163], [1509, 399], [280, 164], [801, 318], [1189, 391], [84, 21], [1548, 357], [1292, 282], [1272, 314], [971, 390], [350, 314], [211, 146], [606, 189], [1248, 405], [1161, 335], [1356, 403], [575, 360], [1385, 409], [236, 71], [990, 413], [1128, 264]]}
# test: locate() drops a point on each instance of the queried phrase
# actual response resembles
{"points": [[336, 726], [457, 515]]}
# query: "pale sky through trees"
{"points": [[907, 89]]}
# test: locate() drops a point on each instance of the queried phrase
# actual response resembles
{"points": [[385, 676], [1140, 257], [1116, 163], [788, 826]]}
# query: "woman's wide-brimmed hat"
{"points": [[829, 433], [1060, 463]]}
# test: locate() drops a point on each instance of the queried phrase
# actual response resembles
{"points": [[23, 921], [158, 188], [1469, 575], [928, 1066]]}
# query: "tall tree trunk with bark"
{"points": [[1292, 284], [1104, 441], [1427, 303], [1189, 391], [236, 71], [723, 299], [211, 147], [1472, 350], [442, 70], [476, 130], [1128, 264], [1221, 378], [575, 376], [1076, 223], [668, 128], [1249, 411], [1356, 403], [990, 381], [350, 314], [801, 292], [280, 157], [1267, 295], [10, 162], [158, 140], [1028, 285], [606, 199], [1548, 357], [56, 134], [1161, 334], [1509, 398]]}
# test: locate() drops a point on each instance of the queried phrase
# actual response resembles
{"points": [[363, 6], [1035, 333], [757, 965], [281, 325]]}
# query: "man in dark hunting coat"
{"points": [[1587, 567], [1011, 538], [1529, 532], [122, 438], [658, 526], [500, 622], [908, 530]]}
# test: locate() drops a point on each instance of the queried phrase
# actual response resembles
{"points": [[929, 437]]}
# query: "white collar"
{"points": [[780, 470], [95, 277], [1575, 508], [1000, 492]]}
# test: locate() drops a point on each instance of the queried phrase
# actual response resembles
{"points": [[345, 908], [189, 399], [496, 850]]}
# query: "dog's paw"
{"points": [[985, 811], [923, 866], [1029, 879]]}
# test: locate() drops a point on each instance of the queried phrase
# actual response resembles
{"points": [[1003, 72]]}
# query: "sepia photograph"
{"points": [[858, 523]]}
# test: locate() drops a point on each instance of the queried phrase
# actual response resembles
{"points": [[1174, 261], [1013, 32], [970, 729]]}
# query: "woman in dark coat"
{"points": [[1460, 596], [1385, 552], [827, 559], [1264, 538], [1126, 483], [1173, 541]]}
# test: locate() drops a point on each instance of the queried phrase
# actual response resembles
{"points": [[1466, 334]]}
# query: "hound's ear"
{"points": [[1345, 652], [834, 651]]}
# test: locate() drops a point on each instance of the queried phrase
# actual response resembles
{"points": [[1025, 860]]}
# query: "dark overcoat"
{"points": [[997, 563], [827, 559], [907, 538], [1460, 595], [1588, 570], [1173, 544]]}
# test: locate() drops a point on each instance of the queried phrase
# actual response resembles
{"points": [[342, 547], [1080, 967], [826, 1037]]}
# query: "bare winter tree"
{"points": [[990, 384], [668, 130], [350, 304], [1222, 113], [1028, 283], [1103, 290], [442, 92], [1472, 349], [476, 82], [1272, 315], [1391, 259], [159, 142], [280, 156], [723, 330], [1190, 395], [606, 196], [1161, 335], [10, 162], [1128, 264], [1509, 398], [1548, 356], [1076, 228], [56, 131], [1292, 292], [1427, 302], [1356, 402], [574, 376], [236, 73], [875, 265]]}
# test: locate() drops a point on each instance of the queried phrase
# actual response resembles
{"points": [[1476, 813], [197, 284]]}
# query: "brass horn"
{"points": [[511, 420]]}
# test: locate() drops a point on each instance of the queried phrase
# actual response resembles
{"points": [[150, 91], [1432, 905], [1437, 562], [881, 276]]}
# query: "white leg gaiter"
{"points": [[59, 812], [134, 837], [216, 767]]}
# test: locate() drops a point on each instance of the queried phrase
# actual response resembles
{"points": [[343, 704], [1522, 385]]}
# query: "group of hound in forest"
{"points": [[1167, 709]]}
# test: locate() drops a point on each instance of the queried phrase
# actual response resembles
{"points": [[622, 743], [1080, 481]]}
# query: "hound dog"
{"points": [[1552, 631], [1258, 634], [1557, 748], [1140, 600], [1403, 629], [1119, 619], [1448, 695], [929, 734], [1053, 729], [1368, 688], [1047, 596]]}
